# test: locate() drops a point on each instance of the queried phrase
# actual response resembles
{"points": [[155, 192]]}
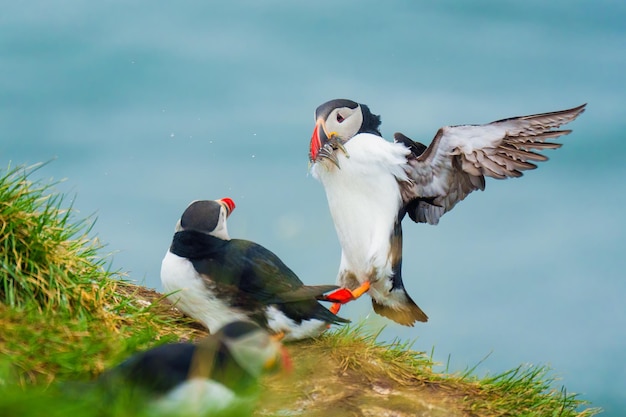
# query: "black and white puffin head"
{"points": [[207, 216], [337, 121]]}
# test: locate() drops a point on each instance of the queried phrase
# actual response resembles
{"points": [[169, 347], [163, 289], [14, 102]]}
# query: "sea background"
{"points": [[142, 107]]}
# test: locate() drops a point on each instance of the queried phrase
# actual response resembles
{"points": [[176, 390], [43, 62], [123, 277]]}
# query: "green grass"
{"points": [[63, 313], [65, 316]]}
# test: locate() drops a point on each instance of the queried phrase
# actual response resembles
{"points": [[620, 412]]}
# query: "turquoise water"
{"points": [[148, 106]]}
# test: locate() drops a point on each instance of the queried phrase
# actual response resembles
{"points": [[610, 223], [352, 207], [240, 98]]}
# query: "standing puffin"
{"points": [[216, 279], [218, 374], [371, 183]]}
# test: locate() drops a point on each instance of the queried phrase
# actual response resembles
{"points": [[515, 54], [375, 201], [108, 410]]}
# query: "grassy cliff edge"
{"points": [[65, 317]]}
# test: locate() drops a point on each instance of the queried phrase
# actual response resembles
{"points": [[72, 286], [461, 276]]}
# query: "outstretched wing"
{"points": [[459, 158]]}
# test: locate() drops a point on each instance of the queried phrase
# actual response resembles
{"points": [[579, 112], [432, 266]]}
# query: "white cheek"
{"points": [[348, 127], [221, 230]]}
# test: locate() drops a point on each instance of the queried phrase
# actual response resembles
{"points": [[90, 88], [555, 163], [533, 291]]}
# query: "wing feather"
{"points": [[459, 158]]}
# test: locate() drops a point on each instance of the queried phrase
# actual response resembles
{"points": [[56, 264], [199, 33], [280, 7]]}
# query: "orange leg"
{"points": [[360, 290], [335, 308]]}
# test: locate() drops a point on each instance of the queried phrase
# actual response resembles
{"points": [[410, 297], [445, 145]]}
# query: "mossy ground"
{"points": [[66, 317]]}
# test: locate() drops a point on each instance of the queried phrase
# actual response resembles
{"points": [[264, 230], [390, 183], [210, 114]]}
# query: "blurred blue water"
{"points": [[148, 106]]}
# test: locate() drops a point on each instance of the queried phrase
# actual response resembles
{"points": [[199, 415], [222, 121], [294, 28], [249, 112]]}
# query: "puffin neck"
{"points": [[371, 122], [194, 245]]}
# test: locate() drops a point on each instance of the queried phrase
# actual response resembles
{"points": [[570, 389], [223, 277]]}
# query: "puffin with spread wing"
{"points": [[372, 183]]}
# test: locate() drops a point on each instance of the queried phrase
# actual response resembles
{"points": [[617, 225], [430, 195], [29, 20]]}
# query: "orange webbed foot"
{"points": [[344, 295]]}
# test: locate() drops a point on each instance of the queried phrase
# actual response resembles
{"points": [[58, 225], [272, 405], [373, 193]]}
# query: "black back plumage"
{"points": [[155, 371], [250, 277], [161, 369]]}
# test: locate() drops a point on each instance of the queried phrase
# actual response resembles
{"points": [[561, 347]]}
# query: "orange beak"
{"points": [[230, 204], [318, 139]]}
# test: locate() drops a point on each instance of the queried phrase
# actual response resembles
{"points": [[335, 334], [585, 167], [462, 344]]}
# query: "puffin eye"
{"points": [[340, 118]]}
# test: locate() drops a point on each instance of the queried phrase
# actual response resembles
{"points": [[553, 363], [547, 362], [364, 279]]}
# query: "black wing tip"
{"points": [[340, 320]]}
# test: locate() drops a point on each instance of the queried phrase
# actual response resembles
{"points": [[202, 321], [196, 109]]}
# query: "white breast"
{"points": [[364, 199], [199, 397], [187, 291]]}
